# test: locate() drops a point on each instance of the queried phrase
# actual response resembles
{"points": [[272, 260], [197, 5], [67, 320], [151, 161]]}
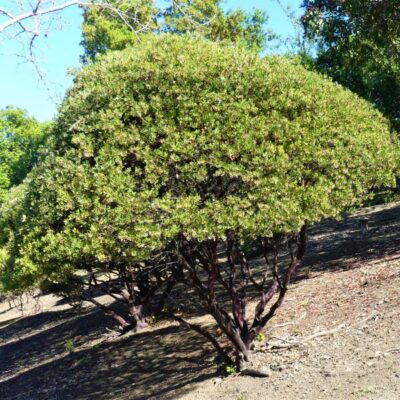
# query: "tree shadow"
{"points": [[26, 325], [341, 245], [35, 339], [159, 364]]}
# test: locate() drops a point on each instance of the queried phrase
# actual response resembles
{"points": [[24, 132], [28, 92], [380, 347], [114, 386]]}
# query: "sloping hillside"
{"points": [[337, 336]]}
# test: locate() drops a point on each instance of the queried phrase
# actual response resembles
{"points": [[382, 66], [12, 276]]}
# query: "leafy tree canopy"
{"points": [[359, 46], [20, 139], [178, 137], [111, 30]]}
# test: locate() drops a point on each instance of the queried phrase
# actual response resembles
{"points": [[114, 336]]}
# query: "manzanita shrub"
{"points": [[168, 157]]}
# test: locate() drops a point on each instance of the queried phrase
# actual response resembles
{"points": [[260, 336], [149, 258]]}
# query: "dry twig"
{"points": [[288, 343]]}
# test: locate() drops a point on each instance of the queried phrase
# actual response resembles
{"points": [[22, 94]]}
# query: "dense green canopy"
{"points": [[359, 47], [181, 137]]}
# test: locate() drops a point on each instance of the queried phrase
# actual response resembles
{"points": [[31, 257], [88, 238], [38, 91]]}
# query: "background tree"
{"points": [[359, 46], [210, 21], [104, 29], [168, 156], [20, 139]]}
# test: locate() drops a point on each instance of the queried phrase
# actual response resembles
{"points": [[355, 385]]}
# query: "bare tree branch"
{"points": [[36, 12], [26, 21], [45, 7]]}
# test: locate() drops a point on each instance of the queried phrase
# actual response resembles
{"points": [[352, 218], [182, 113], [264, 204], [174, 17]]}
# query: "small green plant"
{"points": [[366, 390], [69, 346], [260, 337], [242, 396], [230, 369], [297, 331]]}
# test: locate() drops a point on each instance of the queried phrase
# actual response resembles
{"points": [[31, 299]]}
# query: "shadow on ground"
{"points": [[341, 245], [148, 365]]}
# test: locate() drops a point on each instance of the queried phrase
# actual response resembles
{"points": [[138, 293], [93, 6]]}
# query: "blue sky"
{"points": [[21, 86]]}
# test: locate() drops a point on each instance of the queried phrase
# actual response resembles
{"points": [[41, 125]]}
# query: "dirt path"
{"points": [[342, 312]]}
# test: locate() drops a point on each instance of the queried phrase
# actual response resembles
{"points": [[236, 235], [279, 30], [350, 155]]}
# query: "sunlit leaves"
{"points": [[181, 137], [20, 139]]}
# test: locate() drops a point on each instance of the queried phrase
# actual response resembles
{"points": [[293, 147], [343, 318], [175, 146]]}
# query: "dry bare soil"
{"points": [[336, 337]]}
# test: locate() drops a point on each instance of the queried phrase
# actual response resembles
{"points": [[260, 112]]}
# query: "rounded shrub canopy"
{"points": [[181, 137]]}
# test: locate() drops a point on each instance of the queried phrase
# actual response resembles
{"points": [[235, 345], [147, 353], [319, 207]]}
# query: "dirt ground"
{"points": [[336, 336]]}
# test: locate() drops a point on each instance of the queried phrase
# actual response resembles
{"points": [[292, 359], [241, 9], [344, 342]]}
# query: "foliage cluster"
{"points": [[170, 155], [359, 46], [20, 139]]}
